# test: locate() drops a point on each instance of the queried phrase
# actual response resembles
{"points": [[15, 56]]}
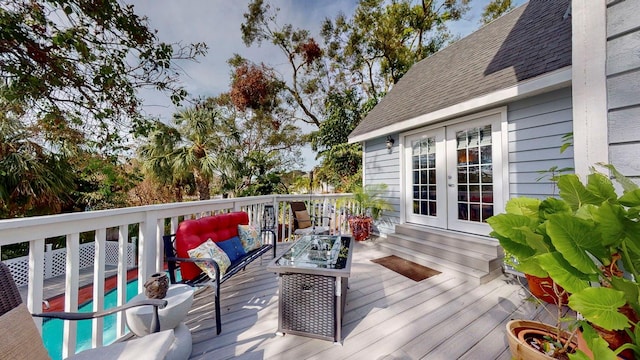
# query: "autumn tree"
{"points": [[306, 88]]}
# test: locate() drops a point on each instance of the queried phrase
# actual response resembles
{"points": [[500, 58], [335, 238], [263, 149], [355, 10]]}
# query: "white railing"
{"points": [[153, 222]]}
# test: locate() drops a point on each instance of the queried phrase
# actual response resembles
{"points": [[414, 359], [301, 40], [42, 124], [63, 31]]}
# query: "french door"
{"points": [[454, 175]]}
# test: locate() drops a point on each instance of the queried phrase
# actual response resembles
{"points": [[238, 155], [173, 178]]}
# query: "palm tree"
{"points": [[33, 179], [172, 154]]}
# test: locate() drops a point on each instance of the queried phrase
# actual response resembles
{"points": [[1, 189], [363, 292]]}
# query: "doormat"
{"points": [[413, 271]]}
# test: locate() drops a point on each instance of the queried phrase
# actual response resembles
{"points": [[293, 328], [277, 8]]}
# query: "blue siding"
{"points": [[623, 86], [383, 167], [536, 126]]}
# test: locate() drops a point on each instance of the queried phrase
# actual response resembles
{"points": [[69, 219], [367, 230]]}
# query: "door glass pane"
{"points": [[475, 173], [424, 174]]}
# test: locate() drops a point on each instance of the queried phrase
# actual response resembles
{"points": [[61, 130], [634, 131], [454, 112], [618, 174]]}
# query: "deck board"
{"points": [[387, 316]]}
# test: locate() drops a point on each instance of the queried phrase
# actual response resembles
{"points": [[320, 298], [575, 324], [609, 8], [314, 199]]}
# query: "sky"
{"points": [[217, 23]]}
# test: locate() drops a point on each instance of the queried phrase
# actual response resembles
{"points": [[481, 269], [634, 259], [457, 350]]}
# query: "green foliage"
{"points": [[381, 41], [370, 200], [33, 181], [592, 235], [225, 150], [494, 10], [83, 63], [333, 85], [341, 162]]}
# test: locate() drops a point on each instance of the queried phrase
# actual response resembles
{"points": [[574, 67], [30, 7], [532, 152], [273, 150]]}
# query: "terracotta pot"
{"points": [[582, 346], [518, 331], [542, 288], [360, 227]]}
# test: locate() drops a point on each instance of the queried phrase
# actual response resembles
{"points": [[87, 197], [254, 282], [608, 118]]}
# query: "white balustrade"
{"points": [[153, 221]]}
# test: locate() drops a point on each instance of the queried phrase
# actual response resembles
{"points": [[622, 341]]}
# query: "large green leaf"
{"points": [[631, 253], [627, 184], [508, 225], [630, 289], [518, 250], [631, 198], [600, 305], [610, 221], [523, 206], [565, 275], [552, 206], [575, 238], [531, 266], [535, 241], [600, 185], [574, 193]]}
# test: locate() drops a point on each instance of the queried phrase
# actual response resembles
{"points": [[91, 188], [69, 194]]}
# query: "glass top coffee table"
{"points": [[313, 276]]}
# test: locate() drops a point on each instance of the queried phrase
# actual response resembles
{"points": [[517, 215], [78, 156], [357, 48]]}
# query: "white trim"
{"points": [[589, 83], [543, 83], [364, 164], [403, 179]]}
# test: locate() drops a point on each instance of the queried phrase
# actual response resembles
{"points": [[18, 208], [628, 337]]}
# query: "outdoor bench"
{"points": [[191, 234]]}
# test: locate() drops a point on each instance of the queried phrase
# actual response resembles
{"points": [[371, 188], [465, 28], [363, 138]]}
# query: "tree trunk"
{"points": [[202, 184]]}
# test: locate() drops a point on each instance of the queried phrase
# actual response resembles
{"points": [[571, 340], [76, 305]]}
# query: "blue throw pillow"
{"points": [[233, 248]]}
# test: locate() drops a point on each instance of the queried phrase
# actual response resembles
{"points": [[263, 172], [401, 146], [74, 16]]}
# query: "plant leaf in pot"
{"points": [[588, 242]]}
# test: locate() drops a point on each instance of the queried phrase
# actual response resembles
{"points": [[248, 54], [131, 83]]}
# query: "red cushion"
{"points": [[192, 233]]}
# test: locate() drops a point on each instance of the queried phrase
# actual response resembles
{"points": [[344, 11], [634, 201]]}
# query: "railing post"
{"points": [[36, 279], [48, 261], [123, 261], [146, 249], [71, 294], [159, 263], [100, 250]]}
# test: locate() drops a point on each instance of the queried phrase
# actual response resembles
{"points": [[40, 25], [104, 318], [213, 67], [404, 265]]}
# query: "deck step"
{"points": [[468, 256], [477, 243]]}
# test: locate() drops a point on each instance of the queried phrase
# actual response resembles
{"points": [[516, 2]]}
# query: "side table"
{"points": [[179, 300]]}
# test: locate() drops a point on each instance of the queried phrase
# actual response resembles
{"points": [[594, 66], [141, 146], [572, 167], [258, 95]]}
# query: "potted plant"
{"points": [[588, 242], [369, 206]]}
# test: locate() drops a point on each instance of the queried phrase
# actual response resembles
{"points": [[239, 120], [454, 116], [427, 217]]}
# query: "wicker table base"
{"points": [[312, 300], [311, 306]]}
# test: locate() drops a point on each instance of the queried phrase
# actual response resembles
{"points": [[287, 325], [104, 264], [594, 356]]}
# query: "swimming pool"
{"points": [[52, 328]]}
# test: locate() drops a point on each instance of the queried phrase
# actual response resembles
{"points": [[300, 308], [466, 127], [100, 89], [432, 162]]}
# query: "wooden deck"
{"points": [[387, 316]]}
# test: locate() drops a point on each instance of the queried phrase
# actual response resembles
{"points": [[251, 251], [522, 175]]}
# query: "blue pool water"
{"points": [[52, 328]]}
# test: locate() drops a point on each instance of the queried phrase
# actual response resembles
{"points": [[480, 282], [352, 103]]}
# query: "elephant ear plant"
{"points": [[588, 242]]}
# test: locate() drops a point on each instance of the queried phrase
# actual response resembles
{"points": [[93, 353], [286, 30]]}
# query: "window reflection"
{"points": [[475, 173]]}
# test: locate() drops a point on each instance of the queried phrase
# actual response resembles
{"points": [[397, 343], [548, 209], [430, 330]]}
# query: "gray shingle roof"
{"points": [[531, 40]]}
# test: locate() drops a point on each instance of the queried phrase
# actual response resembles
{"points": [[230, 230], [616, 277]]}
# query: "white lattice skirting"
{"points": [[55, 261]]}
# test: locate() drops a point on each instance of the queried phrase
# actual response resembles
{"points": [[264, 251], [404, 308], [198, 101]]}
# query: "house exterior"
{"points": [[482, 120]]}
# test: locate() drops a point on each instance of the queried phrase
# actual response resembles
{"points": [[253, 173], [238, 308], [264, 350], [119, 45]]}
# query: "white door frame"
{"points": [[501, 142]]}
